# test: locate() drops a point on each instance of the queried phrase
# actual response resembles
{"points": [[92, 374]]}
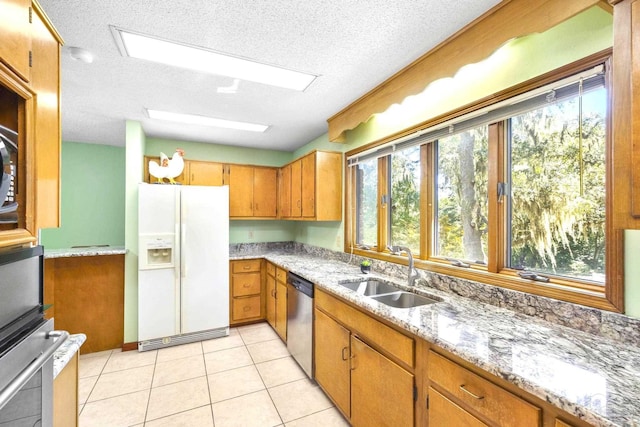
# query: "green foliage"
{"points": [[558, 189], [405, 198], [462, 181], [367, 206]]}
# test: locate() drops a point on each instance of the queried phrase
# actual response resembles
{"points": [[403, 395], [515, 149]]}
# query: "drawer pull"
{"points": [[475, 396], [246, 285], [246, 308], [246, 267], [345, 357]]}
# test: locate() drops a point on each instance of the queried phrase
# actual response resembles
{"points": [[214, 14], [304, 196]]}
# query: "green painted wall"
{"points": [[632, 273], [135, 144], [218, 153], [92, 197]]}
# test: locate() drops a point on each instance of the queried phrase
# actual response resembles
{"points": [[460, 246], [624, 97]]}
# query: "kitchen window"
{"points": [[461, 196], [404, 180], [512, 194]]}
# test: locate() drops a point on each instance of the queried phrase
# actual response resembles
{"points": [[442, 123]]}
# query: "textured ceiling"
{"points": [[352, 45]]}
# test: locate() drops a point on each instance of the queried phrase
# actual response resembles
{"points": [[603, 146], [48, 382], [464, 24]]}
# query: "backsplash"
{"points": [[597, 322]]}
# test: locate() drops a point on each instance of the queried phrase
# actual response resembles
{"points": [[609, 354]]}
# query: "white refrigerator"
{"points": [[183, 264]]}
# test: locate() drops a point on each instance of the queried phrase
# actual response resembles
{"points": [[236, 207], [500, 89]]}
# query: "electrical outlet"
{"points": [[338, 242], [250, 234]]}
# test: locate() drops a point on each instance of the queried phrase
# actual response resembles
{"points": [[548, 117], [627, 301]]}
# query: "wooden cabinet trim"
{"points": [[472, 44]]}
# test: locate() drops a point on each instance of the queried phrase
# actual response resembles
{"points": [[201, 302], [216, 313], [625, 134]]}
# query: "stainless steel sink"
{"points": [[402, 299], [370, 287]]}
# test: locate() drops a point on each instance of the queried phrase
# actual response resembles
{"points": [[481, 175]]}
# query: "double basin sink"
{"points": [[387, 294]]}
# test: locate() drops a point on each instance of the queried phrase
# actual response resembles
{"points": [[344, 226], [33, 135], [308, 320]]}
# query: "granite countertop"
{"points": [[65, 353], [593, 378], [84, 251]]}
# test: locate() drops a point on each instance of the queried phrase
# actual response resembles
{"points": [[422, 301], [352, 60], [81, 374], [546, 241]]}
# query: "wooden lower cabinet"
{"points": [[369, 386], [87, 293], [281, 303], [271, 299], [381, 391], [276, 296], [479, 396], [246, 296], [332, 352], [65, 395]]}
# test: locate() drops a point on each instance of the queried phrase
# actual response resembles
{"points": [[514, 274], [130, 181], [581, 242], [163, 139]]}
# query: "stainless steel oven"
{"points": [[27, 341]]}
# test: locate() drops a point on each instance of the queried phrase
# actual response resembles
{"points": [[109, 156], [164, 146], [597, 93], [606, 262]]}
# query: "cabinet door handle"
{"points": [[353, 362], [345, 357], [475, 396]]}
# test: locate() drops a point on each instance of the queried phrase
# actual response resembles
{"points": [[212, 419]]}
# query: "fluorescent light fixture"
{"points": [[154, 49], [193, 119]]}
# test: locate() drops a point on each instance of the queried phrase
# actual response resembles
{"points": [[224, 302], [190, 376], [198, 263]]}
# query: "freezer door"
{"points": [[204, 266], [157, 208], [158, 289]]}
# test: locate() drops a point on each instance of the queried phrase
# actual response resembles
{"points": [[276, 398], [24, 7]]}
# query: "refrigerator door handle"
{"points": [[183, 259]]}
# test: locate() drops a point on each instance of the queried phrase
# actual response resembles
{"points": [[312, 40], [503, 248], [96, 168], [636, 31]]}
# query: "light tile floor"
{"points": [[247, 379]]}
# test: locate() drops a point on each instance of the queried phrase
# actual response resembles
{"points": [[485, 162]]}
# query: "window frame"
{"points": [[607, 297]]}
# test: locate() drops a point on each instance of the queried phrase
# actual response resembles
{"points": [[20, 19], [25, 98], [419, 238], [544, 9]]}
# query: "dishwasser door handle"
{"points": [[16, 385]]}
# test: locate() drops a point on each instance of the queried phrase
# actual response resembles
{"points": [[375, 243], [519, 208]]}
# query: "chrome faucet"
{"points": [[413, 273]]}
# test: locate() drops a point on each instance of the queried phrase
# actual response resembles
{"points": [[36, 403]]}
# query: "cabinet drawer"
{"points": [[374, 332], [246, 308], [246, 266], [443, 412], [281, 275], [246, 284], [480, 395], [271, 269]]}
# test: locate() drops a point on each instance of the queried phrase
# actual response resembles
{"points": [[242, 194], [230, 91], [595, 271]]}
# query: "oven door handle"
{"points": [[16, 385]]}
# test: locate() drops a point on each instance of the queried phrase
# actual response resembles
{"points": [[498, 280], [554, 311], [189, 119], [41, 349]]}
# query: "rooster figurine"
{"points": [[168, 168]]}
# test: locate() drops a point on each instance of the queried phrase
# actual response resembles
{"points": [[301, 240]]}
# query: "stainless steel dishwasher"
{"points": [[300, 321]]}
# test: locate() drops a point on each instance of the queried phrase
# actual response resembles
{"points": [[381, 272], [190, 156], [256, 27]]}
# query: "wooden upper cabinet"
{"points": [[253, 191], [316, 187], [284, 192], [45, 81], [206, 173], [625, 197], [15, 33], [265, 192], [296, 189], [309, 186], [240, 190]]}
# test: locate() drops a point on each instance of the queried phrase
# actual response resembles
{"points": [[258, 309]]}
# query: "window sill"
{"points": [[587, 295]]}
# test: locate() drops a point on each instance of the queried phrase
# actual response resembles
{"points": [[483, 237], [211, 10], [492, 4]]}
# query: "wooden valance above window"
{"points": [[475, 42]]}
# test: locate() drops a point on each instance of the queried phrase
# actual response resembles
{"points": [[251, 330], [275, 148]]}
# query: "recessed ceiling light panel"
{"points": [[154, 49], [193, 119]]}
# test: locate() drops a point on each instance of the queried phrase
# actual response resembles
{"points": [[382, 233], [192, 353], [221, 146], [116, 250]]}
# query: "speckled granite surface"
{"points": [[84, 251], [63, 355], [596, 378]]}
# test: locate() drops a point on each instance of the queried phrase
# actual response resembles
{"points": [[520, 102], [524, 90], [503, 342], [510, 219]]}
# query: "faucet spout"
{"points": [[412, 273]]}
